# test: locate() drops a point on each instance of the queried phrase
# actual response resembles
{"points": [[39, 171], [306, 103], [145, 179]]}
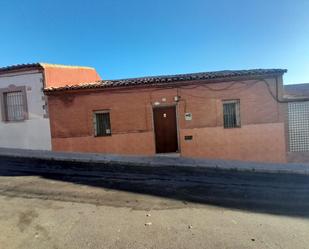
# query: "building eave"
{"points": [[103, 86]]}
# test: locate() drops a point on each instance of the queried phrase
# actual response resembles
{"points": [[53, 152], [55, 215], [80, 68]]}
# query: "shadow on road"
{"points": [[282, 194]]}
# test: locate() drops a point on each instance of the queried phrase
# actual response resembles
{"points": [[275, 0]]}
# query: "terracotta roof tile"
{"points": [[166, 79], [40, 65], [296, 90], [20, 66]]}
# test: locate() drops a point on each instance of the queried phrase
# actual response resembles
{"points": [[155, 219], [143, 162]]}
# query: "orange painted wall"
{"points": [[261, 142], [57, 75], [260, 138], [116, 144]]}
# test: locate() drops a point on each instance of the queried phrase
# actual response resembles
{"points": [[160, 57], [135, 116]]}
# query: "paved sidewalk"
{"points": [[158, 161]]}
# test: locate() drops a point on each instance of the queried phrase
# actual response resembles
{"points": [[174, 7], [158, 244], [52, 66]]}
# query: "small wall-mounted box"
{"points": [[188, 116]]}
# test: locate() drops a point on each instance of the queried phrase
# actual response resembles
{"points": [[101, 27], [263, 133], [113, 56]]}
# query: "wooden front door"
{"points": [[165, 129]]}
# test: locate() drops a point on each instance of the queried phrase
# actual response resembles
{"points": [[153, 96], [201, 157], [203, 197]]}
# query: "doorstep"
{"points": [[173, 154]]}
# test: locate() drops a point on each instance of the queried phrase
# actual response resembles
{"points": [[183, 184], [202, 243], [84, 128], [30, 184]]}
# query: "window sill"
{"points": [[236, 127], [109, 135], [15, 121]]}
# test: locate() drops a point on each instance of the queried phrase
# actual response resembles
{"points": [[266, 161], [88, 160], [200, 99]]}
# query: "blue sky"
{"points": [[136, 38]]}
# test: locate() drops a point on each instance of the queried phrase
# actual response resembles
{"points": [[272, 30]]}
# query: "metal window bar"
{"points": [[231, 114], [14, 106], [298, 126], [102, 124]]}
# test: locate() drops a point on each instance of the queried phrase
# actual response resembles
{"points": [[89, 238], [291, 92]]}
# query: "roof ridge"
{"points": [[43, 64], [200, 73], [295, 84]]}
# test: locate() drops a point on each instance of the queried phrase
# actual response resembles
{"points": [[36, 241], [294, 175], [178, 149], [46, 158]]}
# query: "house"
{"points": [[24, 118], [235, 115], [297, 98]]}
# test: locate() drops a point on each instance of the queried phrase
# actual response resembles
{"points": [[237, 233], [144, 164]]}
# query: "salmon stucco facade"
{"points": [[221, 115]]}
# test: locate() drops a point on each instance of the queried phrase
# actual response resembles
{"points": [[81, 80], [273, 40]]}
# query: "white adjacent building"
{"points": [[24, 121]]}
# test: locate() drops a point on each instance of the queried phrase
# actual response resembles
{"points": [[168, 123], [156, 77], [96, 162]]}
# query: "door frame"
{"points": [[177, 126]]}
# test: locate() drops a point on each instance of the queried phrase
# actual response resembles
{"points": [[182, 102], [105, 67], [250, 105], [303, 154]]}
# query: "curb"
{"points": [[152, 163]]}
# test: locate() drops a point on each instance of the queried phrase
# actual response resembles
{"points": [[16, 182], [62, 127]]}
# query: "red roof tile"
{"points": [[166, 79]]}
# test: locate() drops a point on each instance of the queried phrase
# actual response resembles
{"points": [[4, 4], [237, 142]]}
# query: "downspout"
{"points": [[46, 114], [277, 93]]}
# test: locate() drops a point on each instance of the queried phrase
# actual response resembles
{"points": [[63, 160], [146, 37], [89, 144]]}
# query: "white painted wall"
{"points": [[33, 133]]}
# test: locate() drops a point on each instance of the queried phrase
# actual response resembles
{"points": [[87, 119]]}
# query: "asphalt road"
{"points": [[285, 194], [61, 205]]}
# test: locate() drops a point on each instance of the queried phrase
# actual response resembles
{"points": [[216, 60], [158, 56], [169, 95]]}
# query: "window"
{"points": [[231, 114], [102, 124], [14, 105], [298, 114]]}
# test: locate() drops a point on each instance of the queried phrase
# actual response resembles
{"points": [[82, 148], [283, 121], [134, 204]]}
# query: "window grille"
{"points": [[102, 124], [298, 116], [14, 106], [231, 114]]}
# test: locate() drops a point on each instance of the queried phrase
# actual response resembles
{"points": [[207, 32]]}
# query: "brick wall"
{"points": [[260, 138]]}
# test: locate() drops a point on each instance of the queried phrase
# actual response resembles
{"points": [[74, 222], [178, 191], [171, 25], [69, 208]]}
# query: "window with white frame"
{"points": [[102, 125], [231, 113]]}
